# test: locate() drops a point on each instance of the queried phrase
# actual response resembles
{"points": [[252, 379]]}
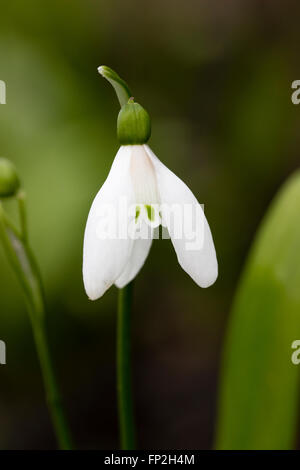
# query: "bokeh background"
{"points": [[216, 79]]}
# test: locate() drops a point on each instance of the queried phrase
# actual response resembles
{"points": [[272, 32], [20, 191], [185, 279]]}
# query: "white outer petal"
{"points": [[138, 257], [200, 264], [104, 259], [143, 176]]}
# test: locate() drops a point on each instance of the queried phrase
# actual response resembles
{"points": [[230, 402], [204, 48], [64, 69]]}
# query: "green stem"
{"points": [[124, 388], [21, 197], [53, 396], [25, 267]]}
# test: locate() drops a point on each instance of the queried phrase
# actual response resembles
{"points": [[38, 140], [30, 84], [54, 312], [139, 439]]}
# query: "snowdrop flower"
{"points": [[140, 178]]}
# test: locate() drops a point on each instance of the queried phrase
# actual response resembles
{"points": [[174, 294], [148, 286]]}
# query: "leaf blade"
{"points": [[258, 401]]}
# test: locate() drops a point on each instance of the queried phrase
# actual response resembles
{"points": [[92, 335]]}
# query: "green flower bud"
{"points": [[134, 125], [9, 181]]}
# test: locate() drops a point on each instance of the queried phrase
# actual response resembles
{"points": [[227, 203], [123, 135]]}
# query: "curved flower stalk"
{"points": [[15, 243], [139, 194]]}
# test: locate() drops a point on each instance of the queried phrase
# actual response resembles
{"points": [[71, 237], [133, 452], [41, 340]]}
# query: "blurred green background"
{"points": [[216, 79]]}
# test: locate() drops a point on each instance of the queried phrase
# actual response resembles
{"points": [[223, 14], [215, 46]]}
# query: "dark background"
{"points": [[216, 79]]}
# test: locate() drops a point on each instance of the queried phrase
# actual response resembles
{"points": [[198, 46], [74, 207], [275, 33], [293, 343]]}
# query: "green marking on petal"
{"points": [[150, 212], [137, 212]]}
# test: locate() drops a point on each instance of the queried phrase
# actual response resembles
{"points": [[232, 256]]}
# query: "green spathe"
{"points": [[9, 181], [134, 125], [120, 86]]}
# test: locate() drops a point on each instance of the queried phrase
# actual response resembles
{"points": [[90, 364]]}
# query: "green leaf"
{"points": [[258, 406]]}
